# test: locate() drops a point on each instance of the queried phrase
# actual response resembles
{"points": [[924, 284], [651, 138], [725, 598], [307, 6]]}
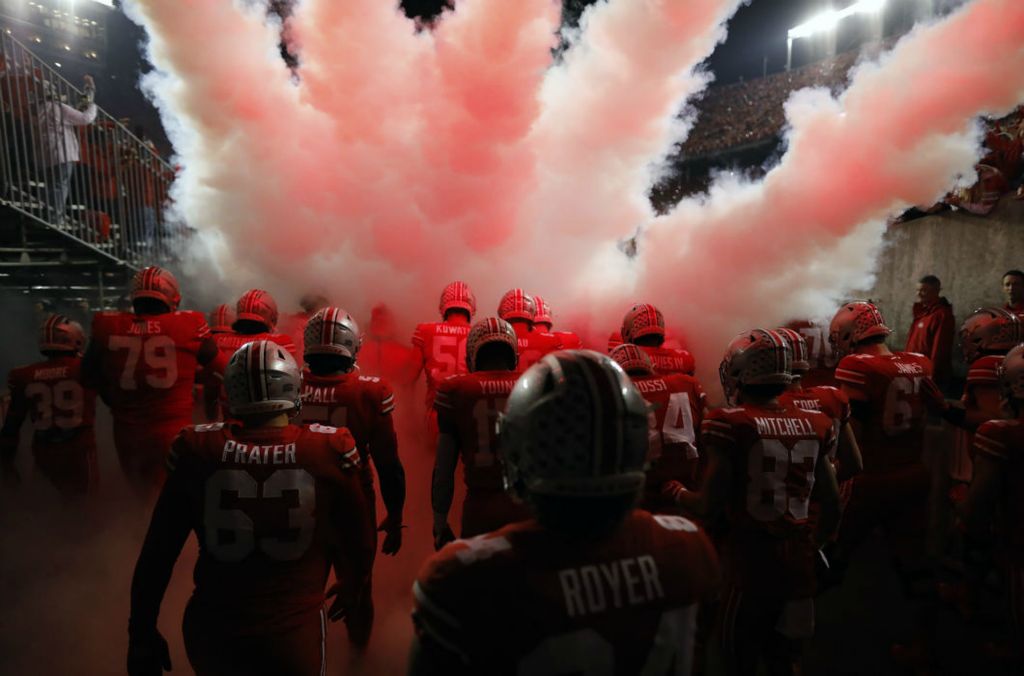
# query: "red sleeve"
{"points": [[853, 374], [384, 451], [350, 517], [942, 347], [989, 441]]}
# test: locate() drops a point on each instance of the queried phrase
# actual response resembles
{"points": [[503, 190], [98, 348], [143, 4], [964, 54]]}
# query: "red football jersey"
{"points": [[148, 363], [677, 403], [442, 352], [898, 391], [819, 353], [829, 400], [524, 600], [228, 344], [361, 404], [533, 346], [51, 395], [1003, 441], [774, 452], [467, 407], [273, 510]]}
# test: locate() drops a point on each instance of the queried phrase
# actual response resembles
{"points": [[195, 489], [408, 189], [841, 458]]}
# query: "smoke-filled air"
{"points": [[396, 158]]}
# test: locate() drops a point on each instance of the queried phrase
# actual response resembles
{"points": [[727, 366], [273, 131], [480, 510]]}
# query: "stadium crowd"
{"points": [[613, 518]]}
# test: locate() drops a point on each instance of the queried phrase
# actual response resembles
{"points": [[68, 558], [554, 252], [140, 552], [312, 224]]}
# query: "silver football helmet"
{"points": [[262, 377], [574, 425], [332, 331], [756, 357]]}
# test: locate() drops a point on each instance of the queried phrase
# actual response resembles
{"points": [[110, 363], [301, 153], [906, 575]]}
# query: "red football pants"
{"points": [[296, 652]]}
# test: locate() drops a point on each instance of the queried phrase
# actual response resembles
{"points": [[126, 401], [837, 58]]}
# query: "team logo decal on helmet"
{"points": [[60, 334], [457, 296], [854, 322], [221, 318], [990, 329], [643, 319], [632, 359], [156, 282], [801, 354], [517, 304], [574, 425], [1011, 373], [542, 312], [756, 357], [262, 378], [257, 305], [490, 330], [332, 331]]}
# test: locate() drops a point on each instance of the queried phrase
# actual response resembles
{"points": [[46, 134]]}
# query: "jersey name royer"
{"points": [[276, 454], [607, 586], [784, 427]]}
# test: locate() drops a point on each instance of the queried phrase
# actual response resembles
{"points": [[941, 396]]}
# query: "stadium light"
{"points": [[827, 21]]}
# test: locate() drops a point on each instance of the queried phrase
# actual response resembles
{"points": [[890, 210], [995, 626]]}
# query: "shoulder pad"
{"points": [[479, 548], [677, 523]]}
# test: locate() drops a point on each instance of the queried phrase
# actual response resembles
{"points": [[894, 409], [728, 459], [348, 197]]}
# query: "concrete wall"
{"points": [[968, 253]]}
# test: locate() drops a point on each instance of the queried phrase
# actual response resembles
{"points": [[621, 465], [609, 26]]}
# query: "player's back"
{"points": [[266, 505], [442, 347], [773, 452], [1003, 441], [524, 600], [668, 360], [894, 390], [678, 403], [149, 363], [534, 345], [819, 353], [824, 398], [51, 394], [469, 405], [348, 400], [228, 343]]}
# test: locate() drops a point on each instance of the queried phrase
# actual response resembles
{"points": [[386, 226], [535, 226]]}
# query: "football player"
{"points": [[985, 337], [221, 319], [819, 353], [274, 506], [334, 393], [767, 462], [998, 487], [543, 321], [518, 309], [829, 400], [890, 395], [644, 325], [467, 409], [62, 411], [442, 345], [383, 355], [677, 404], [255, 319], [143, 364], [590, 585]]}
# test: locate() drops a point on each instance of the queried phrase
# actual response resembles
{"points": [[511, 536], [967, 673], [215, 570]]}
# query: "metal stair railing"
{"points": [[97, 184]]}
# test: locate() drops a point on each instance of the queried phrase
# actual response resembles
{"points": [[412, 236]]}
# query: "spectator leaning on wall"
{"points": [[58, 140], [931, 332]]}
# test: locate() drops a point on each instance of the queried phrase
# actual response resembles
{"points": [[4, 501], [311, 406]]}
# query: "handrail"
{"points": [[94, 182]]}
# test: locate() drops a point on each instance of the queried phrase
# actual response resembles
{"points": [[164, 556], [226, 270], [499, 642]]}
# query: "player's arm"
{"points": [[442, 482], [212, 381], [988, 406], [851, 462], [91, 370], [826, 494], [352, 558], [986, 486], [717, 488], [168, 530], [11, 431], [391, 473], [207, 352]]}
